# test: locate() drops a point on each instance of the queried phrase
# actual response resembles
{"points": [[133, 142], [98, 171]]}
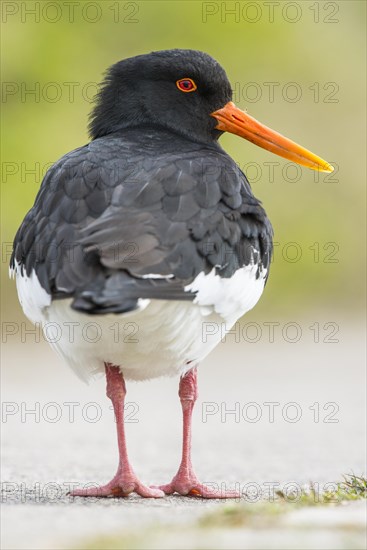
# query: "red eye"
{"points": [[186, 85]]}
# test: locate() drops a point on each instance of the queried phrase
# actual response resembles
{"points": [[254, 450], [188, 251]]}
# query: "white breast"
{"points": [[162, 338]]}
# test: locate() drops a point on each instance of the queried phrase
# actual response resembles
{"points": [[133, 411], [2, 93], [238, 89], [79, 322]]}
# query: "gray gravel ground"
{"points": [[47, 450]]}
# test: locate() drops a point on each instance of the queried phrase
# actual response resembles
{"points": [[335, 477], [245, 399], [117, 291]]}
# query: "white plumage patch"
{"points": [[229, 297], [164, 337], [32, 296], [156, 276]]}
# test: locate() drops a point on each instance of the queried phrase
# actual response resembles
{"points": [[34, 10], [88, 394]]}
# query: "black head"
{"points": [[144, 90]]}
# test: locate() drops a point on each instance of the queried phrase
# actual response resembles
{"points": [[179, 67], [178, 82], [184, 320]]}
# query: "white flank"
{"points": [[229, 297], [32, 297]]}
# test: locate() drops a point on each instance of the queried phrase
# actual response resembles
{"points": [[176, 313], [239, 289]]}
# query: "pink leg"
{"points": [[125, 480], [185, 481]]}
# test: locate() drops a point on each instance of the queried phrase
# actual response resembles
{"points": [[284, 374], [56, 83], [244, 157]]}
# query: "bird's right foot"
{"points": [[122, 485]]}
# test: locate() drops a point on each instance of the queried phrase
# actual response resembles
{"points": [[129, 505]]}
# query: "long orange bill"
{"points": [[232, 119]]}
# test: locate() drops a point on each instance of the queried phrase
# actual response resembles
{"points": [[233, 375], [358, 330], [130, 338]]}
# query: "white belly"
{"points": [[162, 338]]}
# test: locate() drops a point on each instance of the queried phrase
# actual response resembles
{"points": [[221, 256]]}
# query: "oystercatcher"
{"points": [[148, 234]]}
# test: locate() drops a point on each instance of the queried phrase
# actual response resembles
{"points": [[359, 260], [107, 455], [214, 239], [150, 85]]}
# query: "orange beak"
{"points": [[232, 119]]}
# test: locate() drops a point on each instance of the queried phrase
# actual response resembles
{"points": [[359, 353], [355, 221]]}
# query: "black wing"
{"points": [[115, 221]]}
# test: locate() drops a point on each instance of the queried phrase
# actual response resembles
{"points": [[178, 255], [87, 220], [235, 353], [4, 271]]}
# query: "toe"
{"points": [[149, 492], [207, 492], [165, 489]]}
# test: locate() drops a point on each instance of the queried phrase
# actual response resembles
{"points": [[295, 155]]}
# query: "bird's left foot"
{"points": [[187, 484]]}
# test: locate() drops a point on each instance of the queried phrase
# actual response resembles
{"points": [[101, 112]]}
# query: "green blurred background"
{"points": [[313, 50]]}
